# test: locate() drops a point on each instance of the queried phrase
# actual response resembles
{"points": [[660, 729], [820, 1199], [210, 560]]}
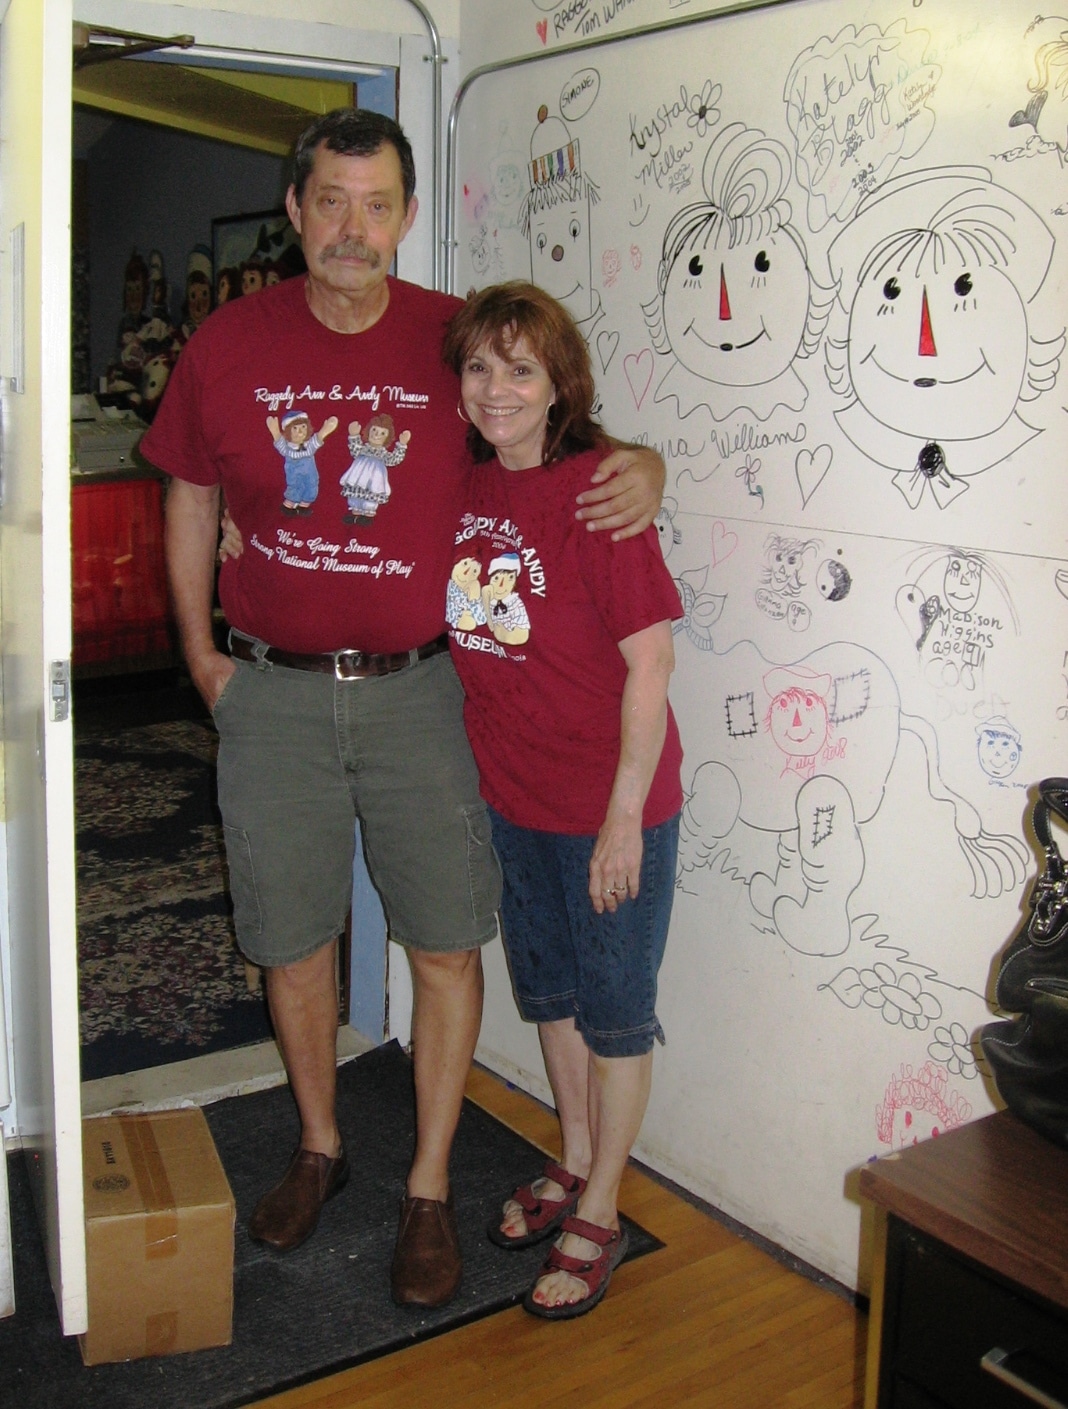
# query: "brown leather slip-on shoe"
{"points": [[287, 1215], [426, 1264]]}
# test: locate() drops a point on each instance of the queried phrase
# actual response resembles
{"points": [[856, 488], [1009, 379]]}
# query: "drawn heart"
{"points": [[638, 368], [543, 29], [724, 542], [606, 348], [810, 467]]}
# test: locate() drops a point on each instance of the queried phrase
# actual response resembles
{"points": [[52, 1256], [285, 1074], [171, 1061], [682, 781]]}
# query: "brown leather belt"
{"points": [[343, 665]]}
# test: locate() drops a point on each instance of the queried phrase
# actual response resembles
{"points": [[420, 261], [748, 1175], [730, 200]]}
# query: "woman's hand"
{"points": [[615, 866], [231, 545], [616, 863]]}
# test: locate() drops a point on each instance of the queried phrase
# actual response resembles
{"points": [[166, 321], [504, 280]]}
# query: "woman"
{"points": [[566, 670]]}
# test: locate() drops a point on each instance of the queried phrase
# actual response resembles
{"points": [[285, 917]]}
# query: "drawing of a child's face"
{"points": [[560, 254], [378, 435], [998, 753], [963, 580], [298, 431], [737, 316], [799, 722], [913, 1126], [785, 564], [939, 352], [508, 182]]}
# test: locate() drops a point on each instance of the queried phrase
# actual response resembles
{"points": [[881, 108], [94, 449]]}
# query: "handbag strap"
{"points": [[1049, 899], [1054, 793]]}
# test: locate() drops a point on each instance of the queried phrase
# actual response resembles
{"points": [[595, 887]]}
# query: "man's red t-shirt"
{"points": [[313, 581]]}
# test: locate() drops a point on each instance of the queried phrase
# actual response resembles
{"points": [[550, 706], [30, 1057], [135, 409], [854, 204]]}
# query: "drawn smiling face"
{"points": [[963, 579], [560, 254], [999, 753], [508, 183], [798, 722], [785, 562], [938, 351], [736, 316]]}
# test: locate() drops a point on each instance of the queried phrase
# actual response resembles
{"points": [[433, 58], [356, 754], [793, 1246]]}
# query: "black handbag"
{"points": [[1028, 1055]]}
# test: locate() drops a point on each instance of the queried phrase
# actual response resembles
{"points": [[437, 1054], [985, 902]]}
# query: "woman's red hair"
{"points": [[502, 314]]}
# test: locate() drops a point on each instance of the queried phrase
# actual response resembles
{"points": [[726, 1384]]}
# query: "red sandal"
{"points": [[596, 1275], [542, 1216]]}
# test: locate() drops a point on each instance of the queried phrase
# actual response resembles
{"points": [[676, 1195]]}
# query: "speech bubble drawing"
{"points": [[579, 94]]}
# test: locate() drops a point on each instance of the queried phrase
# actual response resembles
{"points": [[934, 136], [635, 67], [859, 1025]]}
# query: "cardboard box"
{"points": [[159, 1235]]}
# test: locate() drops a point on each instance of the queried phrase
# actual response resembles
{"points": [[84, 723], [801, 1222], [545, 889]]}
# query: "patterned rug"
{"points": [[160, 976]]}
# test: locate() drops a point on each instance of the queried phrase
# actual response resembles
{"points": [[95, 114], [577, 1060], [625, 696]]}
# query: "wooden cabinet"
{"points": [[970, 1295]]}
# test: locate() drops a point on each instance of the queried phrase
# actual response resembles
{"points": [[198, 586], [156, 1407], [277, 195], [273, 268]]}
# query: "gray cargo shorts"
{"points": [[301, 756]]}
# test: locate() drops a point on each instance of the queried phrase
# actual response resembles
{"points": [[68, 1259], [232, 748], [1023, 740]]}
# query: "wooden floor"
{"points": [[707, 1320]]}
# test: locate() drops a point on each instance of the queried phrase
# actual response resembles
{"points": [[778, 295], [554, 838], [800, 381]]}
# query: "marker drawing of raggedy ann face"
{"points": [[798, 718], [735, 301], [936, 273]]}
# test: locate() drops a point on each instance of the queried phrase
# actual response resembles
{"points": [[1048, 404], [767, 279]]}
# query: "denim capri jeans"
{"points": [[566, 960]]}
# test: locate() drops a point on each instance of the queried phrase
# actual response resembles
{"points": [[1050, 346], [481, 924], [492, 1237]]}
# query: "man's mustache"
{"points": [[351, 249]]}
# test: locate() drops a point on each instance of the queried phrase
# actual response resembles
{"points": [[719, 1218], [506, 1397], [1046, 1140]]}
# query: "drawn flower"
{"points": [[901, 999], [703, 111], [952, 1047]]}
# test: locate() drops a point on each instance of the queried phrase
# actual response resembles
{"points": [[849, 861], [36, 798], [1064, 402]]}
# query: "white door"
{"points": [[35, 631]]}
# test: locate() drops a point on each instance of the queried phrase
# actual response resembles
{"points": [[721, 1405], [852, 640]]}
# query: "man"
{"points": [[339, 699]]}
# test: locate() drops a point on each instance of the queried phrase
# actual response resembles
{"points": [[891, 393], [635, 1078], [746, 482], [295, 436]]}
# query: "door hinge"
{"points": [[59, 690]]}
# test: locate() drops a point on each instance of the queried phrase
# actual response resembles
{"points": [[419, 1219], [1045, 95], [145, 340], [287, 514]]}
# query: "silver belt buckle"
{"points": [[347, 665]]}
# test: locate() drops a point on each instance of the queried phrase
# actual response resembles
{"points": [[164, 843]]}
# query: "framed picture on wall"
{"points": [[249, 251]]}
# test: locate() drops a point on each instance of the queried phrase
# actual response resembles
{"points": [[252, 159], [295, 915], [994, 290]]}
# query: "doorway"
{"points": [[177, 165]]}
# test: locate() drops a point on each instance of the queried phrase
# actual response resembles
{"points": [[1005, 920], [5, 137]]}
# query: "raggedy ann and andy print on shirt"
{"points": [[375, 449]]}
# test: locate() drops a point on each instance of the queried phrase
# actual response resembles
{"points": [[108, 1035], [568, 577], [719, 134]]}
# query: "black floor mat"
{"points": [[320, 1309]]}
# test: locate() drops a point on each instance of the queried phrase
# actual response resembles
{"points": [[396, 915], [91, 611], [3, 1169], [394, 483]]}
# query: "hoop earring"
{"points": [[549, 413], [460, 412]]}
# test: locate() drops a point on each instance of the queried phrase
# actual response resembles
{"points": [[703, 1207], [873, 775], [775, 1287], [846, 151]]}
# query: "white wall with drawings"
{"points": [[819, 253]]}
